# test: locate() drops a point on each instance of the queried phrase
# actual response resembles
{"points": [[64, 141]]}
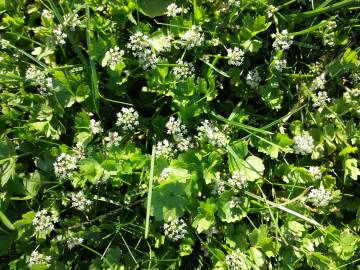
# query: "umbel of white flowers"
{"points": [[175, 229], [44, 221], [235, 260]]}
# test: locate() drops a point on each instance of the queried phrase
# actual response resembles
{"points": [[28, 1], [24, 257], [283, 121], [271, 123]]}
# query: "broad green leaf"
{"points": [[7, 162], [91, 170], [153, 8], [351, 168], [231, 213], [206, 215]]}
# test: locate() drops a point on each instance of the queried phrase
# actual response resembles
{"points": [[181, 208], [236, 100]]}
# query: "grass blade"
{"points": [[148, 207]]}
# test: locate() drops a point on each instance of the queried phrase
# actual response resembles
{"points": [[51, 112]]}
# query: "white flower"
{"points": [[235, 56], [164, 174], [79, 201], [318, 83], [238, 180], [320, 197], [47, 14], [38, 79], [73, 241], [175, 229], [113, 139], [174, 127], [138, 42], [127, 119], [253, 78], [140, 46], [219, 187], [315, 171], [37, 258], [44, 221], [192, 37], [65, 164], [162, 44], [59, 36], [303, 144], [236, 260], [184, 144], [282, 41], [183, 71], [95, 126], [165, 148], [320, 100], [280, 64], [212, 134], [72, 21], [113, 57], [172, 10], [271, 10]]}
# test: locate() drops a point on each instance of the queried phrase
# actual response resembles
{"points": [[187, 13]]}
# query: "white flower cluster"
{"points": [[127, 119], [47, 14], [315, 171], [44, 221], [282, 41], [235, 56], [139, 44], [321, 99], [175, 229], [320, 197], [303, 144], [113, 57], [184, 70], [113, 139], [37, 258], [253, 78], [165, 148], [38, 79], [95, 126], [73, 241], [64, 165], [238, 180], [163, 43], [164, 174], [192, 37], [79, 201], [59, 36], [235, 201], [72, 21], [183, 144], [212, 134], [219, 187], [271, 10], [174, 127], [280, 64], [173, 10], [236, 260], [318, 83]]}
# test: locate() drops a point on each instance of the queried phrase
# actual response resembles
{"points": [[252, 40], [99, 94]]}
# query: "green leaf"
{"points": [[346, 246], [153, 8], [6, 221], [351, 168], [272, 146], [186, 247], [7, 162], [91, 170], [251, 27], [231, 214], [256, 256], [258, 237], [206, 215]]}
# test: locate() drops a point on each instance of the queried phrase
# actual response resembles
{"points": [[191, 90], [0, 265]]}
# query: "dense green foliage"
{"points": [[193, 134]]}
